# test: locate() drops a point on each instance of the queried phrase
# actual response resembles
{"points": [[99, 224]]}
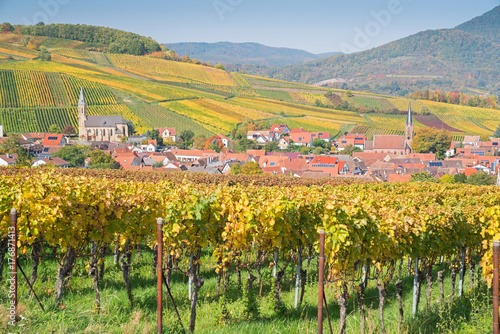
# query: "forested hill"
{"points": [[116, 41], [244, 53], [486, 26], [463, 59]]}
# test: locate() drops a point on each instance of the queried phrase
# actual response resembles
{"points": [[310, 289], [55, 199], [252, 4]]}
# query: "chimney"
{"points": [[8, 156]]}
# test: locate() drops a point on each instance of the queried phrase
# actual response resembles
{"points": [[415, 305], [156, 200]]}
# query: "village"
{"points": [[386, 158]]}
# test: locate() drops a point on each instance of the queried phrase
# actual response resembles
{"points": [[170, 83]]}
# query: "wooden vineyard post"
{"points": [[159, 269], [13, 264], [462, 275], [415, 289], [496, 253], [321, 279], [297, 278]]}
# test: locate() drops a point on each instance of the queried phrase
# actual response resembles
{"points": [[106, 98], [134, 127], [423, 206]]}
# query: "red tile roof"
{"points": [[52, 139], [388, 142]]}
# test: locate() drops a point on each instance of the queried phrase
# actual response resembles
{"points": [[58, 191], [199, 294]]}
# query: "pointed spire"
{"points": [[409, 120], [82, 98]]}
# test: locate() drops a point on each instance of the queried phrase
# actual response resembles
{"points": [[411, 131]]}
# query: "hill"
{"points": [[486, 25], [114, 40], [244, 53], [463, 59], [155, 92]]}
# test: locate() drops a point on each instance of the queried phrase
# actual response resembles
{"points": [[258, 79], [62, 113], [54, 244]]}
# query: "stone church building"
{"points": [[393, 144], [99, 128]]}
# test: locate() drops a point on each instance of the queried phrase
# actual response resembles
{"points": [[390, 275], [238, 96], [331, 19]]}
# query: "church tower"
{"points": [[82, 115], [409, 131]]}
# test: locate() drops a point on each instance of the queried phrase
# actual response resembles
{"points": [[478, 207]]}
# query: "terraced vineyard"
{"points": [[166, 68], [155, 116], [37, 89]]}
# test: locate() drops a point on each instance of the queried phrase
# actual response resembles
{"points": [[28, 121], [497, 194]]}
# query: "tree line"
{"points": [[117, 41]]}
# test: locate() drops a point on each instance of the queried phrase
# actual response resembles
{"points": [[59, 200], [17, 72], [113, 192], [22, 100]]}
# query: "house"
{"points": [[58, 162], [190, 155], [174, 167], [277, 130], [53, 140], [302, 138], [284, 142], [225, 141], [471, 140], [48, 151], [208, 170], [168, 134], [8, 159], [351, 139], [261, 137], [1, 130], [325, 164], [33, 136], [325, 136], [151, 146]]}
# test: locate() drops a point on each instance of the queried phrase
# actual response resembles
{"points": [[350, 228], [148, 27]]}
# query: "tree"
{"points": [[319, 150], [321, 143], [187, 136], [124, 139], [11, 144], [497, 132], [69, 130], [429, 140], [24, 158], [447, 179], [155, 135], [220, 67], [199, 142], [460, 178], [75, 154], [245, 144], [272, 146], [481, 179], [44, 54], [304, 150], [349, 149], [422, 177], [235, 169], [54, 128], [214, 147], [251, 168], [101, 160], [131, 128]]}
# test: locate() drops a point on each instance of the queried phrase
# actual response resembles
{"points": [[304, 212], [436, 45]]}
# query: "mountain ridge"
{"points": [[249, 53]]}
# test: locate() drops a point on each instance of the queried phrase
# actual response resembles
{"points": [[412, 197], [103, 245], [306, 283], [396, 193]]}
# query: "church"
{"points": [[393, 144], [99, 128]]}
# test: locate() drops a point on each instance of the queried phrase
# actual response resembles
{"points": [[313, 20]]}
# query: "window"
{"points": [[52, 138], [321, 133], [344, 142], [103, 132], [110, 132], [272, 164], [46, 149]]}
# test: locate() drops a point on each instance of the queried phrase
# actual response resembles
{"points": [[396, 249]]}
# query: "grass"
{"points": [[468, 314]]}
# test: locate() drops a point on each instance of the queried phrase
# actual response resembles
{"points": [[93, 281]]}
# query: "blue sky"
{"points": [[314, 25]]}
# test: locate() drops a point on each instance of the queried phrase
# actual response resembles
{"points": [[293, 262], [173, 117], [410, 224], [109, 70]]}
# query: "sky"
{"points": [[316, 26]]}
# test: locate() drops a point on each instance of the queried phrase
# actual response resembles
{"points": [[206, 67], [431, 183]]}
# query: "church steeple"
{"points": [[409, 119], [81, 101], [409, 131], [82, 115]]}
